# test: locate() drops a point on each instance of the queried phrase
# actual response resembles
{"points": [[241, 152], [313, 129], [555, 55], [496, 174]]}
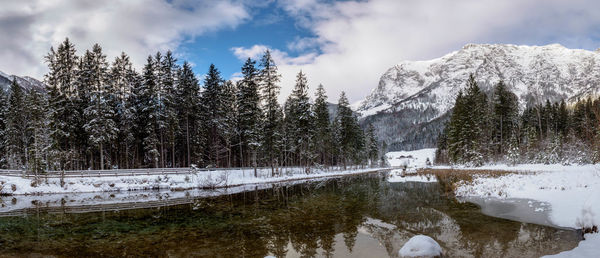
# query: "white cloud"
{"points": [[359, 40], [138, 27]]}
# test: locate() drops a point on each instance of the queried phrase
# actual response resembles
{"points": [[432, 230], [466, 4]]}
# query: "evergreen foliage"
{"points": [[96, 115], [496, 131]]}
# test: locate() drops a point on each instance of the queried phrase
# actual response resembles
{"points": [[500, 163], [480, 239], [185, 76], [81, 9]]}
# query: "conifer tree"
{"points": [[213, 116], [249, 114], [271, 135], [188, 110], [16, 125], [168, 74], [302, 120], [3, 127], [347, 130], [505, 116], [466, 136], [122, 80], [230, 116], [322, 128], [37, 133], [373, 145], [146, 117], [62, 111], [100, 126]]}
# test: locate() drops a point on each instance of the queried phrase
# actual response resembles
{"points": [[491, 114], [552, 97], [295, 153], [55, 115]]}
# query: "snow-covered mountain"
{"points": [[410, 104], [24, 81]]}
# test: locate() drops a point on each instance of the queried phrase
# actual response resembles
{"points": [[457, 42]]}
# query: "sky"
{"points": [[344, 45]]}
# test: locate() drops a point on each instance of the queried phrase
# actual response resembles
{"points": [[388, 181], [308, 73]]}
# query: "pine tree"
{"points": [[146, 115], [62, 111], [249, 114], [466, 135], [212, 99], [271, 135], [230, 116], [3, 128], [100, 126], [122, 80], [302, 121], [16, 125], [322, 129], [168, 72], [188, 110], [347, 130], [373, 145], [37, 132], [505, 116]]}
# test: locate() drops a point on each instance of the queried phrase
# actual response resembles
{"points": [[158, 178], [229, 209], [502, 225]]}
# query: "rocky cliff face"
{"points": [[411, 102]]}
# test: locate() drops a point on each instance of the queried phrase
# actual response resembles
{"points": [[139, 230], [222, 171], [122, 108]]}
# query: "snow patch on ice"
{"points": [[396, 177], [419, 246]]}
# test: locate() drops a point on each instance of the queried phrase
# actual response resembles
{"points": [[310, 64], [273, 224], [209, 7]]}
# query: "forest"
{"points": [[492, 128], [96, 115]]}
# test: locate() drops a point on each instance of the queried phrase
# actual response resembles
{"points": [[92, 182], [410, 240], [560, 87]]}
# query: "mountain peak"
{"points": [[423, 91], [25, 81]]}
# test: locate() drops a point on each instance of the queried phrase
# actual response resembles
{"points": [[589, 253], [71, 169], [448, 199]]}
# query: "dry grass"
{"points": [[449, 179]]}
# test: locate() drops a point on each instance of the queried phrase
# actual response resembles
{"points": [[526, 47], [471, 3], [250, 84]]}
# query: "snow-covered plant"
{"points": [[211, 182], [586, 221]]}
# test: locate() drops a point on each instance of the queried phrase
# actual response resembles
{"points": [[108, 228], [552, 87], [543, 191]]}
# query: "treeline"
{"points": [[97, 116], [491, 128]]}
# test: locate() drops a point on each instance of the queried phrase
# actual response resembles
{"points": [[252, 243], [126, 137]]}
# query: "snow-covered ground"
{"points": [[569, 196], [411, 159], [202, 179], [572, 193]]}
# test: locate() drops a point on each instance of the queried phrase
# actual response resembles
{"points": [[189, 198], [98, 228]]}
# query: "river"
{"points": [[353, 216]]}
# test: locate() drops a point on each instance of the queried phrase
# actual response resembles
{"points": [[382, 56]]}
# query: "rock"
{"points": [[421, 246]]}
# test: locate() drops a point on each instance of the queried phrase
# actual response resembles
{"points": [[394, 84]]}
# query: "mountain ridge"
{"points": [[414, 93], [25, 82]]}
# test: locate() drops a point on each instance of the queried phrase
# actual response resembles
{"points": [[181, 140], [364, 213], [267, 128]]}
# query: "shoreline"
{"points": [[204, 180], [569, 195]]}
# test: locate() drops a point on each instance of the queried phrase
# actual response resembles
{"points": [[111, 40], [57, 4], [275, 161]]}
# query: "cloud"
{"points": [[359, 40], [138, 27]]}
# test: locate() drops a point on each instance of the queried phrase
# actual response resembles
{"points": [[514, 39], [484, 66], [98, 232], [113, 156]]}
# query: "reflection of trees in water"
{"points": [[305, 217], [422, 208]]}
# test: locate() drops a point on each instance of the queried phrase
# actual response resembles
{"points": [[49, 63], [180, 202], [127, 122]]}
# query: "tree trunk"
{"points": [[162, 149], [187, 139], [101, 158], [172, 149], [254, 162]]}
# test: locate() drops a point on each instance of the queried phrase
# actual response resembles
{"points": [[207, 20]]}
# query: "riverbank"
{"points": [[570, 194], [13, 185]]}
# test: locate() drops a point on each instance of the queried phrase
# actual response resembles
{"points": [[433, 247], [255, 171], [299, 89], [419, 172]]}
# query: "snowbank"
{"points": [[411, 159], [587, 248], [203, 179], [572, 193], [420, 246]]}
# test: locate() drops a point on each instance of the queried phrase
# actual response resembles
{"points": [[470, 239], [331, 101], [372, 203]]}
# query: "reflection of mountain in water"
{"points": [[354, 216], [422, 208]]}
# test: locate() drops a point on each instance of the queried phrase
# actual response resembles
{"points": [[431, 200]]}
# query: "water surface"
{"points": [[357, 216]]}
